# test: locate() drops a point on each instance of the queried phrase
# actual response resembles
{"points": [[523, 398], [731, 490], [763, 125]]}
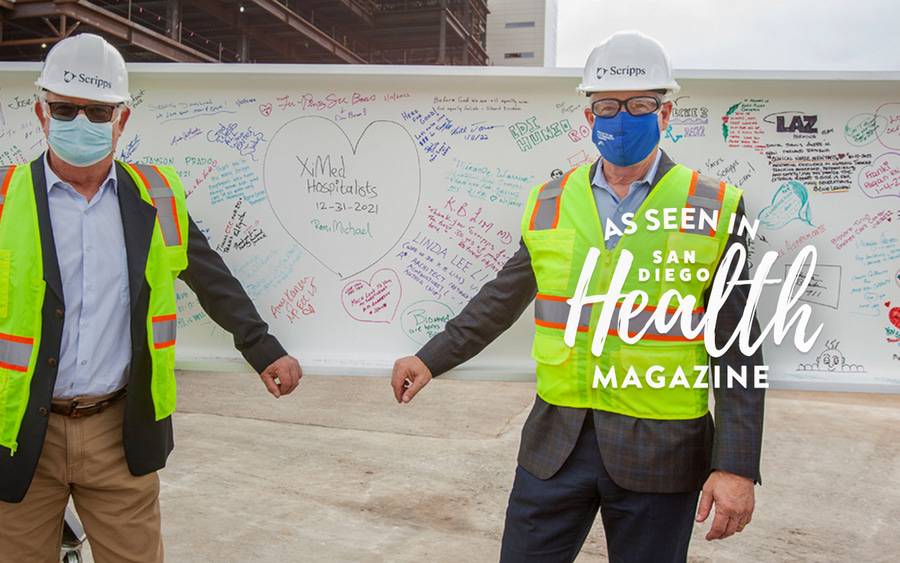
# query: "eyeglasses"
{"points": [[636, 106], [96, 113]]}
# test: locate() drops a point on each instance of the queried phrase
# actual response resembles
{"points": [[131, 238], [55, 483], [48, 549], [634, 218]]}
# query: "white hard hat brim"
{"points": [[670, 87], [69, 92]]}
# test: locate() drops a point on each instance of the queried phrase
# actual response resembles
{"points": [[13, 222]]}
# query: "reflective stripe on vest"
{"points": [[674, 333], [6, 173], [553, 312], [546, 210], [164, 330], [706, 197], [164, 201], [15, 352]]}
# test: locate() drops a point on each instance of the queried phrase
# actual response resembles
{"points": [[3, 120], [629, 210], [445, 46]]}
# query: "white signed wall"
{"points": [[363, 207]]}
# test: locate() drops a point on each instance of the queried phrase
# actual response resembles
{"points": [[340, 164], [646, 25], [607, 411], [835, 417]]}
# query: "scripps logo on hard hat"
{"points": [[628, 60], [620, 71], [82, 78], [85, 66]]}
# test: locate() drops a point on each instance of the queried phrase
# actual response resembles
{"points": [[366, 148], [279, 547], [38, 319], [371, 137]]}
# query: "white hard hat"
{"points": [[85, 66], [628, 60]]}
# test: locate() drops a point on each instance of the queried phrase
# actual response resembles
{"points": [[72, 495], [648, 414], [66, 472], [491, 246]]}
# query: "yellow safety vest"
{"points": [[22, 287], [560, 224]]}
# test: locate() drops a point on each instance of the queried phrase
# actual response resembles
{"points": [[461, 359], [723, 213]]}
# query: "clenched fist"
{"points": [[410, 375], [282, 376]]}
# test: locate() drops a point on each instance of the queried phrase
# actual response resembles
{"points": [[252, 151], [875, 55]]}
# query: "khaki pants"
{"points": [[84, 458]]}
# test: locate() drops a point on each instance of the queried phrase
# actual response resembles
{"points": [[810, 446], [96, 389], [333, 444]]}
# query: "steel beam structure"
{"points": [[328, 31], [114, 25], [309, 31]]}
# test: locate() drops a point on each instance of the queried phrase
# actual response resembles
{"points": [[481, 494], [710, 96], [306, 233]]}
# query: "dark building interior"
{"points": [[433, 32]]}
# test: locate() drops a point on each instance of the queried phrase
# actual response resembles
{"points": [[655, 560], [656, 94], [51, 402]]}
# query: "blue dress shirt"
{"points": [[90, 246], [611, 208]]}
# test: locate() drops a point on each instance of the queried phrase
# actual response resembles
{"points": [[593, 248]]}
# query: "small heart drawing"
{"points": [[346, 203], [893, 314], [373, 301], [882, 178], [265, 109]]}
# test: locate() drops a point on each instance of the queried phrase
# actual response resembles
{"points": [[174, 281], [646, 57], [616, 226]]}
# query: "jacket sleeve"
{"points": [[225, 301], [494, 309], [738, 411]]}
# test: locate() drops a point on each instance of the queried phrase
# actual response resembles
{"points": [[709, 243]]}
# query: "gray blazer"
{"points": [[654, 456]]}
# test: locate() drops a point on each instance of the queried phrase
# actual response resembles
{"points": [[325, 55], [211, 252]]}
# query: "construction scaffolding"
{"points": [[441, 32]]}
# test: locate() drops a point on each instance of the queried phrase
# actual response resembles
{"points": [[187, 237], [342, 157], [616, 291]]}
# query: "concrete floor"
{"points": [[339, 472]]}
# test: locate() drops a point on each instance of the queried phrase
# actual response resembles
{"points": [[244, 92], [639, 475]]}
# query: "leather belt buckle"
{"points": [[75, 409], [79, 411]]}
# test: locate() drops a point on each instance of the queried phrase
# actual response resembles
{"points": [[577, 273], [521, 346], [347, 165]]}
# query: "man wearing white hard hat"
{"points": [[640, 456], [89, 251]]}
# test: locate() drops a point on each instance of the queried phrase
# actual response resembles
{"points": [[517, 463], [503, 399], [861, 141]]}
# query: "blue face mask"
{"points": [[625, 139], [80, 142]]}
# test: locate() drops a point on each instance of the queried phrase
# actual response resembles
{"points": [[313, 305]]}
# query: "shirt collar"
{"points": [[599, 179], [53, 179]]}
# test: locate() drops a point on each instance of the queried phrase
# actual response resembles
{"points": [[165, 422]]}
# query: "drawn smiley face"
{"points": [[830, 360]]}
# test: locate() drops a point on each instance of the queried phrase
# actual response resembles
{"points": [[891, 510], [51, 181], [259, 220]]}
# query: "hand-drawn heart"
{"points": [[893, 314], [265, 109], [882, 178], [373, 301], [348, 204]]}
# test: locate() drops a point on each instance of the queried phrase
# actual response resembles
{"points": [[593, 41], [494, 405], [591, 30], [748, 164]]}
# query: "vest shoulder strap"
{"points": [[545, 214], [6, 174], [162, 194], [551, 189], [707, 195]]}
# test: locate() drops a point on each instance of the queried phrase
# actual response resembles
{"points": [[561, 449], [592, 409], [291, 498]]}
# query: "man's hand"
{"points": [[733, 496], [410, 375], [282, 376]]}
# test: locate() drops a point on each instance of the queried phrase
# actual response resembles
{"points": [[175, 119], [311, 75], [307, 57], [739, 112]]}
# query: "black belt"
{"points": [[81, 407]]}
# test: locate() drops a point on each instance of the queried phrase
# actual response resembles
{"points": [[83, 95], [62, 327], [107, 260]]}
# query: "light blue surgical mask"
{"points": [[625, 139], [80, 142]]}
